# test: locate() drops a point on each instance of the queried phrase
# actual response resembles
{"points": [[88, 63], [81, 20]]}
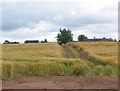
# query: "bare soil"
{"points": [[62, 82]]}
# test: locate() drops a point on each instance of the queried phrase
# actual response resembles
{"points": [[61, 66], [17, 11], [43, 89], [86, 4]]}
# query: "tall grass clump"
{"points": [[7, 71], [115, 70], [74, 52], [81, 69], [107, 70], [98, 71], [90, 64]]}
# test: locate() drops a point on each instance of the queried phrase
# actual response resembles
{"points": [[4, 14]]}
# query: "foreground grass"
{"points": [[14, 69]]}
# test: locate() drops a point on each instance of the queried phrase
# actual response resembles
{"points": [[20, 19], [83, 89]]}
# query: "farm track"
{"points": [[69, 53], [81, 55], [62, 82], [67, 50]]}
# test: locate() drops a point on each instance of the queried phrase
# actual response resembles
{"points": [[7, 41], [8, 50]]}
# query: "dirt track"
{"points": [[67, 50], [81, 55], [69, 53], [62, 82]]}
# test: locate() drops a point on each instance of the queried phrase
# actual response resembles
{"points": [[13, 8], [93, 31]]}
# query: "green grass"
{"points": [[25, 67], [15, 69], [74, 52], [64, 54], [81, 69]]}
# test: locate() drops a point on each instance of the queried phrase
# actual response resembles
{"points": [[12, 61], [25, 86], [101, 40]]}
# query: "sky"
{"points": [[41, 19]]}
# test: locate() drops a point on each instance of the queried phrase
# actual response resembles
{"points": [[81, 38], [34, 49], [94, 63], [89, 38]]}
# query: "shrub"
{"points": [[90, 64], [115, 70], [107, 70], [81, 69], [98, 71]]}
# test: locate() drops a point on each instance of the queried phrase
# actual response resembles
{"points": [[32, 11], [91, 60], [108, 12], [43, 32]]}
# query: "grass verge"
{"points": [[74, 52], [15, 69], [64, 54]]}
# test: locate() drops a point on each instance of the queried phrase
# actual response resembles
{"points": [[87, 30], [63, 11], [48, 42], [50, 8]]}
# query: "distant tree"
{"points": [[111, 39], [6, 42], [82, 37], [115, 40], [64, 36], [44, 41]]}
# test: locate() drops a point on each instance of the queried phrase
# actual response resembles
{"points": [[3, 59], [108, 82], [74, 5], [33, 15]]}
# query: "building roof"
{"points": [[31, 41], [96, 39]]}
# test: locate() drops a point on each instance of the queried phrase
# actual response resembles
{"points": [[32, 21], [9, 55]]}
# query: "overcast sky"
{"points": [[42, 19]]}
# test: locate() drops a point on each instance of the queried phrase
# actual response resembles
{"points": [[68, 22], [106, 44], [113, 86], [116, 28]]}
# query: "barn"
{"points": [[98, 40], [31, 41]]}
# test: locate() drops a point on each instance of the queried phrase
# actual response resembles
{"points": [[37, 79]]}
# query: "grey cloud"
{"points": [[23, 14], [19, 16]]}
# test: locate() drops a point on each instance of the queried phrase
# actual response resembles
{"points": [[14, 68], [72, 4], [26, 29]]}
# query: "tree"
{"points": [[82, 37], [44, 41], [6, 42], [64, 36], [111, 39]]}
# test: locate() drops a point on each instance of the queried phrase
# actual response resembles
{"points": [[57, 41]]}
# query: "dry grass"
{"points": [[31, 50], [105, 51]]}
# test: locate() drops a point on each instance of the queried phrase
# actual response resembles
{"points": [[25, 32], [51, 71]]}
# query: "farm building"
{"points": [[31, 41], [7, 42], [97, 39]]}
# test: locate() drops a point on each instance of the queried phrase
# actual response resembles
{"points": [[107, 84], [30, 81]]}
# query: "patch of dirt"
{"points": [[68, 52], [62, 82]]}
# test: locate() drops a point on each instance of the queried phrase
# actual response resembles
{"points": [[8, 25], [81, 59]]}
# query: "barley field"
{"points": [[21, 60], [12, 51], [104, 51]]}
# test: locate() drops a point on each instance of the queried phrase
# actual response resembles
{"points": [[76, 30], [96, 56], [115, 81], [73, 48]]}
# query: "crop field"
{"points": [[22, 60], [104, 51], [13, 51]]}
